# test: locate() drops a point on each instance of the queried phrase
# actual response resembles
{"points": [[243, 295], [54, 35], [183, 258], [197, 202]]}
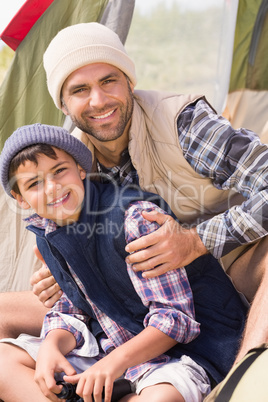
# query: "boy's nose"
{"points": [[52, 187]]}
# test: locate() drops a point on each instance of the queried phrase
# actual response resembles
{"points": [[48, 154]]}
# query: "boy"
{"points": [[140, 328]]}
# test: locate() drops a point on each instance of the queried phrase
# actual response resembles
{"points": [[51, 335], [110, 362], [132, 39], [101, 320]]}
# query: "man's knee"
{"points": [[248, 270], [20, 312]]}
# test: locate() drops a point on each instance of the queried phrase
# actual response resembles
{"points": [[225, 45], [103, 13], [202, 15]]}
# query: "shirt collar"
{"points": [[42, 223]]}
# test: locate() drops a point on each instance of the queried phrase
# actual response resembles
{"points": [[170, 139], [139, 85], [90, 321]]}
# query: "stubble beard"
{"points": [[105, 133]]}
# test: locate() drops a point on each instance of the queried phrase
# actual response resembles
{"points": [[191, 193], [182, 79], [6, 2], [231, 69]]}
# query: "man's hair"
{"points": [[31, 154]]}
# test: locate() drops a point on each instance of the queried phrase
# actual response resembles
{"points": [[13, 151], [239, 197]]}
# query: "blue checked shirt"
{"points": [[168, 298]]}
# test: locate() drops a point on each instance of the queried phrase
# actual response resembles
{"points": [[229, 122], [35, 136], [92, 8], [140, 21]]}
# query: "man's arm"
{"points": [[170, 247], [44, 284], [233, 159]]}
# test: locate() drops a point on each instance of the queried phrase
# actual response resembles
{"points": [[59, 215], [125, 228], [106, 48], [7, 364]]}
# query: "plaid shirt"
{"points": [[232, 159], [123, 174], [168, 298]]}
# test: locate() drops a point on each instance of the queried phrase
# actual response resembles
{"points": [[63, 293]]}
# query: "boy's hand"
{"points": [[101, 375], [51, 360], [44, 285], [169, 247]]}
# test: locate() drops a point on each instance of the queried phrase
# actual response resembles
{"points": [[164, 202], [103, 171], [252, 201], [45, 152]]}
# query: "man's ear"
{"points": [[63, 107], [82, 172], [21, 201], [64, 110]]}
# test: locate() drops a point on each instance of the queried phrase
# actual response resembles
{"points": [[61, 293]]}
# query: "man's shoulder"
{"points": [[153, 96]]}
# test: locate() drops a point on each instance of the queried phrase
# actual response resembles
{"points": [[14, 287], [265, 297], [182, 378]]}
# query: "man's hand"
{"points": [[44, 285], [169, 247]]}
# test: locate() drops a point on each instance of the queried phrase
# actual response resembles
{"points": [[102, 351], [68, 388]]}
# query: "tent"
{"points": [[173, 47]]}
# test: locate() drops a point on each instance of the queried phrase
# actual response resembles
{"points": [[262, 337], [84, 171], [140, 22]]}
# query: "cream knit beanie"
{"points": [[79, 45]]}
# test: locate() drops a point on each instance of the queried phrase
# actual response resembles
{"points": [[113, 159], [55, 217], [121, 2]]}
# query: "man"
{"points": [[213, 177]]}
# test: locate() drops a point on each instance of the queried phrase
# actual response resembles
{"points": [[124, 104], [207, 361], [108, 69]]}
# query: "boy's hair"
{"points": [[31, 154]]}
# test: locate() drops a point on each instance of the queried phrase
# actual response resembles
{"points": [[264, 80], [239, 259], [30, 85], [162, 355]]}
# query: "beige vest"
{"points": [[157, 156]]}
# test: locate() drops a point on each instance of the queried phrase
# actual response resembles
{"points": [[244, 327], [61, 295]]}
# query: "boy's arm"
{"points": [[59, 317], [51, 359], [170, 318], [143, 347], [64, 329], [169, 296]]}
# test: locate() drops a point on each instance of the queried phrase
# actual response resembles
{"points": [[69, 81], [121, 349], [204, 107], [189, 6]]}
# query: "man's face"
{"points": [[99, 100], [53, 188]]}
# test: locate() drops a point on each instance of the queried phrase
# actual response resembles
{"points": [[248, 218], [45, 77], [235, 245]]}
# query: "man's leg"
{"points": [[250, 276], [20, 312]]}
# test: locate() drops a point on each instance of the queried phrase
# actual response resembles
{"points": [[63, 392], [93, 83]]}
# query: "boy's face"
{"points": [[53, 189]]}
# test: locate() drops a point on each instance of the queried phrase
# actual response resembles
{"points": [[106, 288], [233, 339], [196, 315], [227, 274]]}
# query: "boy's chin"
{"points": [[67, 219]]}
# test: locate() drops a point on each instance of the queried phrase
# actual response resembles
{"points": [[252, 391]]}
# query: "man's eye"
{"points": [[79, 90], [109, 81]]}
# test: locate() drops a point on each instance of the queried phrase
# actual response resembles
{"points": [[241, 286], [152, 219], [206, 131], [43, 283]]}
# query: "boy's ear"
{"points": [[82, 172], [21, 201]]}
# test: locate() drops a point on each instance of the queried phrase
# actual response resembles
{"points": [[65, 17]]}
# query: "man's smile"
{"points": [[103, 116]]}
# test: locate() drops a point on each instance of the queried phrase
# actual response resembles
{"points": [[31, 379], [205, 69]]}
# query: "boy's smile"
{"points": [[53, 187]]}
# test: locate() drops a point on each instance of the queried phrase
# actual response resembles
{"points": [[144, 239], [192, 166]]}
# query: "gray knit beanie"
{"points": [[43, 134], [79, 45]]}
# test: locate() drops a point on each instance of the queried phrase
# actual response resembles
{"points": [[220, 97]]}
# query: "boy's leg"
{"points": [[17, 376], [20, 312], [156, 393], [175, 381]]}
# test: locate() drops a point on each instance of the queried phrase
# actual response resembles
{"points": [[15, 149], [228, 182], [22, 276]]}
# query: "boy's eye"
{"points": [[34, 183], [59, 170]]}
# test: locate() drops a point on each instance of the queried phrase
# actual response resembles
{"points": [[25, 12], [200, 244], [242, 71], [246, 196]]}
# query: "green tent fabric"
{"points": [[24, 98], [247, 100], [250, 61]]}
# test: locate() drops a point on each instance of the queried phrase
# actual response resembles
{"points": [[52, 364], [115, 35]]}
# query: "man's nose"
{"points": [[97, 97]]}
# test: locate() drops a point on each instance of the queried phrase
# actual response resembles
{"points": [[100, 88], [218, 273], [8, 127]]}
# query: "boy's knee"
{"points": [[160, 393], [6, 359]]}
